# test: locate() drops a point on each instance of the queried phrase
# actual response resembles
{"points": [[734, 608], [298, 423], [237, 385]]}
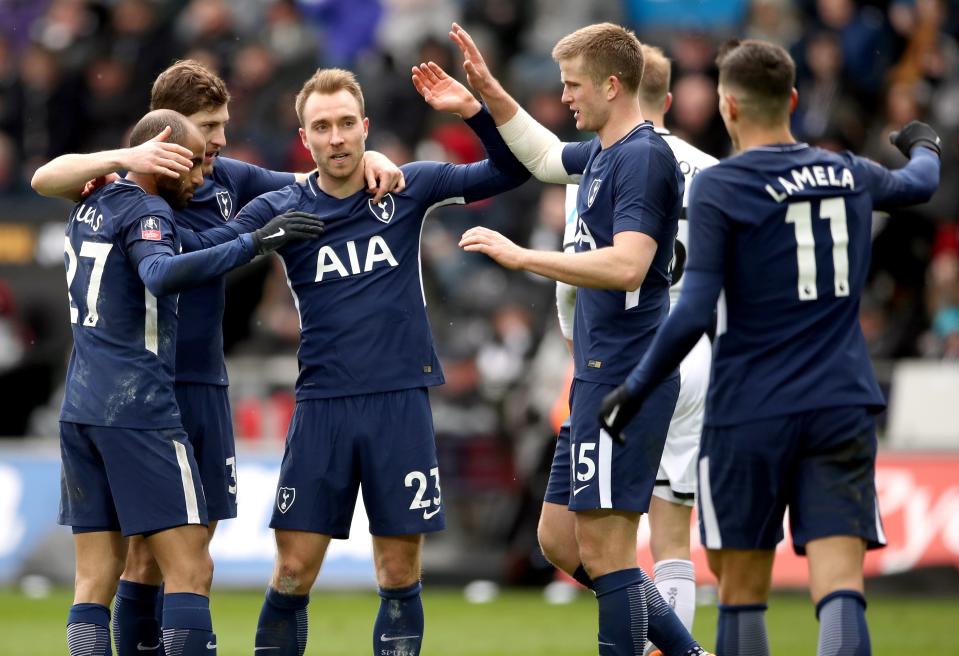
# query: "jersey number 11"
{"points": [[800, 215]]}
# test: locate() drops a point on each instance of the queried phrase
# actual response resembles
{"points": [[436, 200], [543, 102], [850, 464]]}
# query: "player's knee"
{"points": [[557, 549], [396, 572], [141, 567], [293, 574]]}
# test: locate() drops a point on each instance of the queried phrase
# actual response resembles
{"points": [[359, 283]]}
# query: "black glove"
{"points": [[916, 133], [290, 226], [618, 409]]}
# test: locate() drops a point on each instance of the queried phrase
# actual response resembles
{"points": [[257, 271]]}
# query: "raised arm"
{"points": [[66, 176], [918, 180], [540, 151]]}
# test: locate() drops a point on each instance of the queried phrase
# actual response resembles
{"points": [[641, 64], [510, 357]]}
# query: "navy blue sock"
{"points": [[398, 630], [583, 577], [282, 624], [742, 631], [158, 613], [136, 631], [842, 624], [666, 630], [622, 612], [187, 627], [88, 630]]}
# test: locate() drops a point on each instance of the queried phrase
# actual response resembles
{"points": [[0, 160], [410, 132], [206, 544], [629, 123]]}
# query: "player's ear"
{"points": [[793, 100], [366, 126], [668, 102], [612, 86], [303, 138]]}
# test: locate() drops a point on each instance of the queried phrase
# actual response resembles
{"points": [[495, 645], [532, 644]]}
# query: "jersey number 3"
{"points": [[800, 215]]}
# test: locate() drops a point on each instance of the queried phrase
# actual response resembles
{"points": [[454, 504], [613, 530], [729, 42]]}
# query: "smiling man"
{"points": [[628, 205], [195, 91], [366, 362]]}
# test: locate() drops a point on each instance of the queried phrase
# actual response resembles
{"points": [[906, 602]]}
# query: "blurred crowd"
{"points": [[74, 75]]}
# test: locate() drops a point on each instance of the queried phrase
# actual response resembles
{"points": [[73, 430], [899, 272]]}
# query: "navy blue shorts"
{"points": [[591, 470], [820, 464], [208, 422], [383, 442], [131, 480]]}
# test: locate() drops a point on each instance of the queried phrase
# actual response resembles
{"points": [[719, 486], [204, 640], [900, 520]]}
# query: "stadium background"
{"points": [[75, 75]]}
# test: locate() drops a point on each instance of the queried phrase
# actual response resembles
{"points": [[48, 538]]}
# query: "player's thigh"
{"points": [[141, 566], [835, 563], [669, 524], [607, 540], [183, 555], [835, 489], [99, 561], [86, 502], [676, 478], [318, 481], [745, 575], [558, 486], [207, 420], [299, 556], [397, 559], [607, 474], [153, 478], [400, 474], [745, 472]]}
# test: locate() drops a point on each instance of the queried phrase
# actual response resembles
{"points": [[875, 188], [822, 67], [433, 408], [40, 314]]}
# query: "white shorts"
{"points": [[676, 480]]}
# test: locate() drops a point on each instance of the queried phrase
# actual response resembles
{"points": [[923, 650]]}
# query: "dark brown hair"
{"points": [[761, 74], [188, 87], [606, 49]]}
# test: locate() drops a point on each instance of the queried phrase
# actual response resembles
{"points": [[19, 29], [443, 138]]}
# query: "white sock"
{"points": [[676, 581]]}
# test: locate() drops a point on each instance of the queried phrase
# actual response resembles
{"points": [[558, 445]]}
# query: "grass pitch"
{"points": [[517, 623]]}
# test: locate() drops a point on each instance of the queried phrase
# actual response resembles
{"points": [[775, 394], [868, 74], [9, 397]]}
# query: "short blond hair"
{"points": [[329, 81], [606, 49], [656, 78]]}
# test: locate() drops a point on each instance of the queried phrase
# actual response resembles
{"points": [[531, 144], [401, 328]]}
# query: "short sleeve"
{"points": [[148, 229], [647, 190], [576, 156]]}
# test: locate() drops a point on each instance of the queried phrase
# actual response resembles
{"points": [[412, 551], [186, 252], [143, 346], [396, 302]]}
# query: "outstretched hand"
{"points": [[477, 72], [290, 226], [442, 92], [157, 157], [493, 244]]}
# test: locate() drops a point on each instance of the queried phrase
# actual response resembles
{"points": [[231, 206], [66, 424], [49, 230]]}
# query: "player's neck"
{"points": [[341, 187], [758, 136], [146, 182], [622, 120]]}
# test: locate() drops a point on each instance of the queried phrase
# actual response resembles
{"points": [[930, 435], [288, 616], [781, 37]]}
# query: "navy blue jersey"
{"points": [[358, 289], [633, 185], [124, 338], [795, 223], [788, 229], [200, 336]]}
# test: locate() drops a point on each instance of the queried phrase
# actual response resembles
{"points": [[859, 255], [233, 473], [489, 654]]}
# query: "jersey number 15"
{"points": [[800, 215]]}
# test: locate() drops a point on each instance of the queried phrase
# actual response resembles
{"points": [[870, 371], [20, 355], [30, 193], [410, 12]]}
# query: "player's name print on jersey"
{"points": [[811, 176], [89, 215], [328, 261]]}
